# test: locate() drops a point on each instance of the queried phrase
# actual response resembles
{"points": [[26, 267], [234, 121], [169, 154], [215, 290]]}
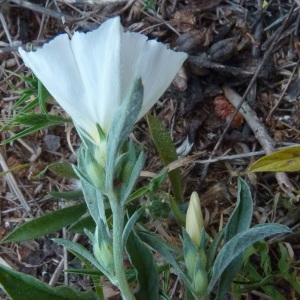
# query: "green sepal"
{"points": [[195, 260], [102, 247], [92, 196]]}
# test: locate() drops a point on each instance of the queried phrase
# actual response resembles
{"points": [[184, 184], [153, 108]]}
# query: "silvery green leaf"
{"points": [[239, 221], [238, 244], [80, 250], [128, 186], [121, 126], [130, 223], [241, 217], [92, 196], [102, 247], [164, 249]]}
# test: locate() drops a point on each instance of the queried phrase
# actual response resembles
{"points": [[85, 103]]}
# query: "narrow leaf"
{"points": [[125, 192], [240, 218], [82, 224], [167, 152], [72, 195], [20, 286], [138, 194], [43, 95], [263, 283], [121, 126], [164, 249], [177, 213], [238, 244], [143, 262], [75, 247], [286, 160], [35, 122], [130, 223], [46, 224], [239, 221], [63, 169]]}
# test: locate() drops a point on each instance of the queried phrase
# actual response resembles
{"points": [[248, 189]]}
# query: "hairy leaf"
{"points": [[46, 224]]}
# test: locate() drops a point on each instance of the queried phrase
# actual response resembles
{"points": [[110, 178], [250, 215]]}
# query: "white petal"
{"points": [[97, 54], [92, 74], [151, 60], [157, 67], [55, 66], [132, 49]]}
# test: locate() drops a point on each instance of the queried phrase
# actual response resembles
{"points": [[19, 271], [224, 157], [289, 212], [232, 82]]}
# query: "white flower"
{"points": [[91, 74]]}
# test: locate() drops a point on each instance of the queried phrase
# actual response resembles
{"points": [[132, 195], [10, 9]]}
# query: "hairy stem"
{"points": [[118, 224]]}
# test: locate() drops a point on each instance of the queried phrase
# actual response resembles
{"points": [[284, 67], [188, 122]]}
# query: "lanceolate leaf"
{"points": [[239, 221], [46, 224], [77, 248], [143, 261], [238, 244], [240, 218], [72, 195], [121, 126], [167, 152], [165, 250], [43, 95], [20, 286], [82, 224], [63, 169], [286, 160]]}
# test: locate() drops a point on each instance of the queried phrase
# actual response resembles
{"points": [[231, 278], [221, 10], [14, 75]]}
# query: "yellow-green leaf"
{"points": [[286, 160]]}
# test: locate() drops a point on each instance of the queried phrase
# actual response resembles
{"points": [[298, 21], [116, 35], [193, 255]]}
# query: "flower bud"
{"points": [[95, 171], [194, 219], [96, 175], [200, 282], [103, 253]]}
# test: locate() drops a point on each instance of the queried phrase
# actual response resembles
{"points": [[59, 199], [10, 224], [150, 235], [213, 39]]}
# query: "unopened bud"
{"points": [[96, 175], [194, 219], [200, 282], [103, 253]]}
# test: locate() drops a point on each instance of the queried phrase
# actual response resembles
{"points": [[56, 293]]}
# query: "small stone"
{"points": [[52, 142]]}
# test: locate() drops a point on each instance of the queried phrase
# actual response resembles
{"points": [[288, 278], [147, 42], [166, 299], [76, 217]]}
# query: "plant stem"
{"points": [[118, 223]]}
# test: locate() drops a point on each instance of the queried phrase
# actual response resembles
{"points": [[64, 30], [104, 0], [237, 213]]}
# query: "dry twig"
{"points": [[252, 82], [13, 185], [260, 133]]}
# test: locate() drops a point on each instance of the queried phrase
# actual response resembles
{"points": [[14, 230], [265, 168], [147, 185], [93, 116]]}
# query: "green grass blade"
{"points": [[167, 152]]}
